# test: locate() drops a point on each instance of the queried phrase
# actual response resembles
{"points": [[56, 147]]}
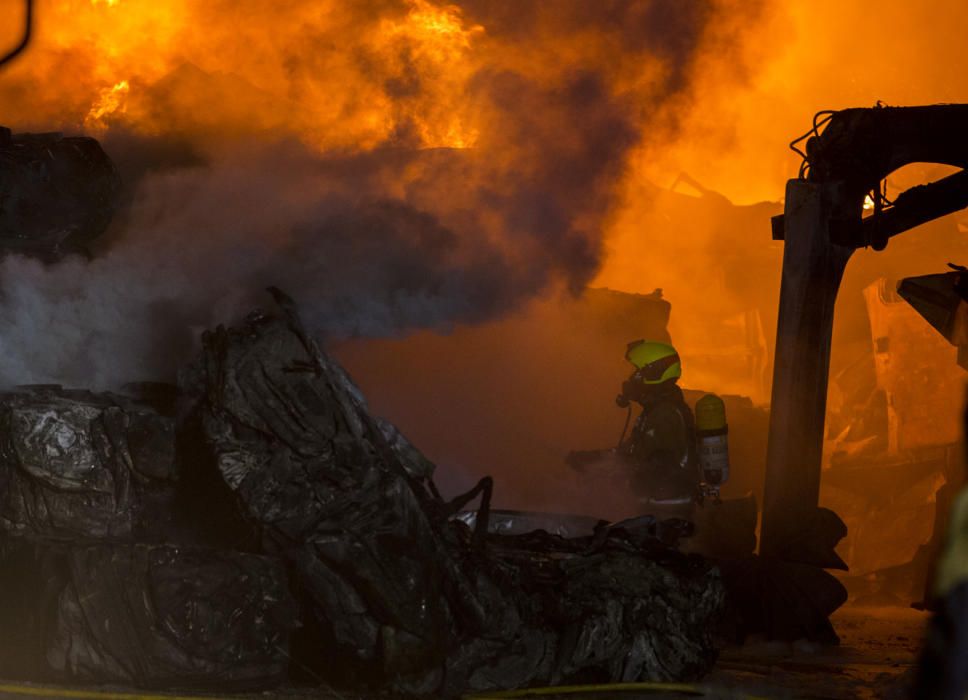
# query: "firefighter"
{"points": [[666, 474], [942, 671]]}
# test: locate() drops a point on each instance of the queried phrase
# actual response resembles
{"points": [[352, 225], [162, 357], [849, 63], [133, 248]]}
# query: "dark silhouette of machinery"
{"points": [[25, 37], [848, 155]]}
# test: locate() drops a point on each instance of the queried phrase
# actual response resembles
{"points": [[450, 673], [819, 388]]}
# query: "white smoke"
{"points": [[201, 245]]}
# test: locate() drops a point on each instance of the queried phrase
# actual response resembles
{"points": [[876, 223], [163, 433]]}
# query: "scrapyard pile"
{"points": [[274, 526]]}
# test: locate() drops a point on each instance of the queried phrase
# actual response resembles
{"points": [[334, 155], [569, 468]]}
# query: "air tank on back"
{"points": [[712, 432]]}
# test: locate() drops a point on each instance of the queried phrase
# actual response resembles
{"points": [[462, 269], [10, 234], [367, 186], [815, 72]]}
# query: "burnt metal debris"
{"points": [[58, 194]]}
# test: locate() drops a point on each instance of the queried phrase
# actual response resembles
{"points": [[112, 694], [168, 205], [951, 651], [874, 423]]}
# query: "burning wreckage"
{"points": [[256, 524]]}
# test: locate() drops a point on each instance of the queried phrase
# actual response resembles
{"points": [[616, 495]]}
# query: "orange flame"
{"points": [[111, 101], [330, 92]]}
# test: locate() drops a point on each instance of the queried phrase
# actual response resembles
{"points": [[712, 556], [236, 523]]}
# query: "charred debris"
{"points": [[57, 194], [255, 524]]}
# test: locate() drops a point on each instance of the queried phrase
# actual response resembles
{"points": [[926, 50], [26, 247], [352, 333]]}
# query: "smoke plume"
{"points": [[396, 164]]}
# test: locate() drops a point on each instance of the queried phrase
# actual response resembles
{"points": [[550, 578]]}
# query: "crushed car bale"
{"points": [[58, 194], [102, 579], [75, 464]]}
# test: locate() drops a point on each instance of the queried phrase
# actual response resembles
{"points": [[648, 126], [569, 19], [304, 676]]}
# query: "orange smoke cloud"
{"points": [[310, 69], [541, 125], [411, 163], [748, 101], [801, 58], [338, 74]]}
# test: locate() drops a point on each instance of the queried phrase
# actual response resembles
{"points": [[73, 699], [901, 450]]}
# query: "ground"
{"points": [[875, 660]]}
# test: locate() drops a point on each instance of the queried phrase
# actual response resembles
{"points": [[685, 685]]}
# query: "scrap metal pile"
{"points": [[273, 527]]}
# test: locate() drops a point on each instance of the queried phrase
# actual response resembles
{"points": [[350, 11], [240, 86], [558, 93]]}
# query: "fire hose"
{"points": [[689, 689], [62, 693], [628, 419]]}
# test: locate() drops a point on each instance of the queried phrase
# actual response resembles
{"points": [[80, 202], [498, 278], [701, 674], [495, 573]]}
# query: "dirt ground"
{"points": [[875, 660]]}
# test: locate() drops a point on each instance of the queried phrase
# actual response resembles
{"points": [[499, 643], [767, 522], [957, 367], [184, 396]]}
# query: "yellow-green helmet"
{"points": [[655, 362]]}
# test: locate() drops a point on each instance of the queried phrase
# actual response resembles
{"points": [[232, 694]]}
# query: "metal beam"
{"points": [[913, 207], [813, 267]]}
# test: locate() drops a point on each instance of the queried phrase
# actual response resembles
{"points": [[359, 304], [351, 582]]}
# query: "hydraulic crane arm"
{"points": [[858, 148], [848, 154], [863, 146]]}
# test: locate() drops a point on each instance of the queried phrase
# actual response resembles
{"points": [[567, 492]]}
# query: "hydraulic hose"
{"points": [[25, 39], [628, 418]]}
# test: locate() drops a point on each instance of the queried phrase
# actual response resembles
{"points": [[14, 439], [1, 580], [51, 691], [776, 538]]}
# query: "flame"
{"points": [[359, 81], [111, 101], [322, 71], [868, 203], [435, 23], [332, 91], [442, 48]]}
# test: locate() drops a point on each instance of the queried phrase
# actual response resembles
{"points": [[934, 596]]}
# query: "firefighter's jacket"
{"points": [[662, 446], [942, 672]]}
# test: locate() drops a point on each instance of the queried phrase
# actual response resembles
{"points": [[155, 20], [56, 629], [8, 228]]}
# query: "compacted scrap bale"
{"points": [[93, 587], [166, 616], [57, 194], [399, 594], [79, 465]]}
